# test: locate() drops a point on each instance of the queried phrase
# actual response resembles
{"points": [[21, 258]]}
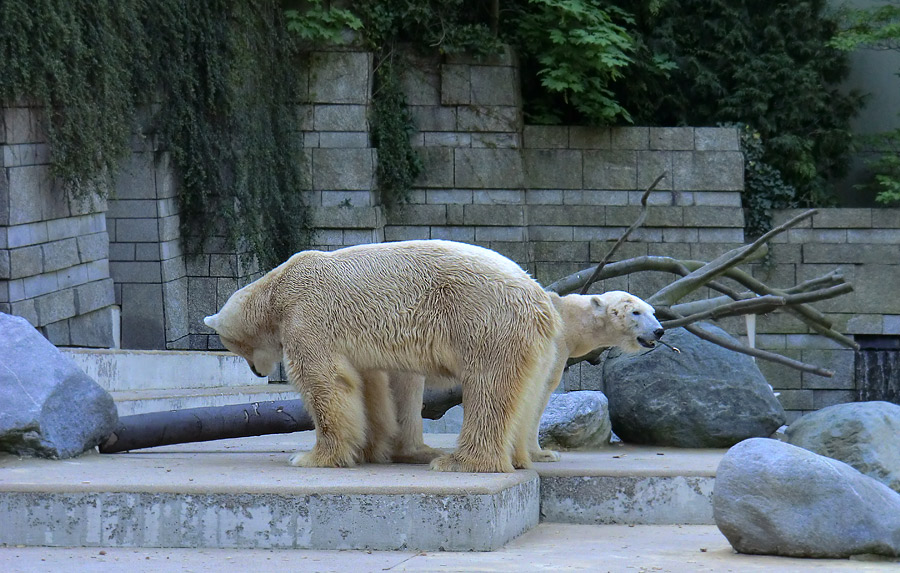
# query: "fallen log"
{"points": [[237, 421]]}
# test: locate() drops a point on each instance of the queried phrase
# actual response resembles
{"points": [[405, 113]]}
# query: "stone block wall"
{"points": [[864, 245], [54, 250]]}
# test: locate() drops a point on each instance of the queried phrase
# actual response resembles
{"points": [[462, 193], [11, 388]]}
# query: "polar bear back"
{"points": [[414, 305]]}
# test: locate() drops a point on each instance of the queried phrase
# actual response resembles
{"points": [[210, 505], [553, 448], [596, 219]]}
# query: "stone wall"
{"points": [[552, 198], [54, 253]]}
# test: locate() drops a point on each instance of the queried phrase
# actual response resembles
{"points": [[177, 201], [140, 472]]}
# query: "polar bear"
{"points": [[342, 319], [614, 318]]}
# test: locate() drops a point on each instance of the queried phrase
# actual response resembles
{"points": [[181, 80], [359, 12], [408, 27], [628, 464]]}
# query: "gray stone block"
{"points": [[55, 306], [172, 269], [433, 118], [22, 125], [340, 118], [561, 215], [143, 324], [146, 251], [25, 309], [546, 137], [28, 234], [57, 333], [717, 139], [700, 216], [352, 169], [26, 154], [494, 85], [550, 233], [488, 118], [121, 251], [447, 139], [886, 218], [496, 140], [340, 77], [462, 234], [488, 168], [418, 215], [175, 299], [38, 285], [505, 234], [610, 170], [94, 296], [62, 413], [135, 272], [345, 217], [60, 254], [95, 329], [589, 137], [29, 187], [136, 179], [437, 167], [132, 208], [24, 262], [652, 164], [629, 138], [223, 265], [138, 231], [874, 236], [344, 139], [796, 399], [498, 197], [659, 217], [837, 218], [420, 80], [552, 168], [72, 276], [672, 138], [93, 247], [456, 84], [490, 215], [708, 170], [560, 251], [201, 303]]}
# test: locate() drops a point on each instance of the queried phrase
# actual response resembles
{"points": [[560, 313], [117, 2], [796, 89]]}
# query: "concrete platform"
{"points": [[163, 399], [243, 494], [548, 547]]}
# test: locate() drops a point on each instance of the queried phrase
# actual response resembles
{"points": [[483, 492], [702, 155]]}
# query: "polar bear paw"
{"points": [[421, 455], [314, 460], [545, 456]]}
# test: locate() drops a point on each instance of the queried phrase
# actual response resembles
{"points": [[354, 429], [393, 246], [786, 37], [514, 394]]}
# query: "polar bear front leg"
{"points": [[381, 418], [537, 453], [334, 398]]}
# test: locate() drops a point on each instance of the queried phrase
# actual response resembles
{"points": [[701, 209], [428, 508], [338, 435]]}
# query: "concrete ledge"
{"points": [[243, 494], [630, 485], [124, 370], [159, 400]]}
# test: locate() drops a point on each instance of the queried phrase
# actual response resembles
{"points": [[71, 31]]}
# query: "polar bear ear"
{"points": [[212, 321], [598, 305]]}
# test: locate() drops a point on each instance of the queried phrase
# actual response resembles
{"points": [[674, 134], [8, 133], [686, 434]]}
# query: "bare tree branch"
{"points": [[640, 221]]}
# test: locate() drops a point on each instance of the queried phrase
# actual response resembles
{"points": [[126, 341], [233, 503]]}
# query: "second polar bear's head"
{"points": [[614, 318]]}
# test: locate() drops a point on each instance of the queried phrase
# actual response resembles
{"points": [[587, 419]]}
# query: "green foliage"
{"points": [[765, 64], [877, 28], [575, 50], [449, 26], [318, 24], [764, 188], [73, 58], [217, 75]]}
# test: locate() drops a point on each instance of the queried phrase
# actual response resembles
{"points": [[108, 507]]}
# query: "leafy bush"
{"points": [[765, 64]]}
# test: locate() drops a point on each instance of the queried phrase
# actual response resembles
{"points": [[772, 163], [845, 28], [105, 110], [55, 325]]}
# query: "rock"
{"points": [[704, 397], [449, 423], [48, 407], [575, 420], [862, 434], [772, 498]]}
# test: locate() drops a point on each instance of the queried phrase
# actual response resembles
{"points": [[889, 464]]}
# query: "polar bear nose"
{"points": [[659, 332]]}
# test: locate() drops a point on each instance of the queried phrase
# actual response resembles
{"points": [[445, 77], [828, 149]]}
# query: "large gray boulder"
{"points": [[704, 397], [48, 407], [575, 420], [865, 435], [772, 498]]}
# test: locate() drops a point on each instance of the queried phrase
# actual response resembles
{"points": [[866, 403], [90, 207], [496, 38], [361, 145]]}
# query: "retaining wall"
{"points": [[552, 198]]}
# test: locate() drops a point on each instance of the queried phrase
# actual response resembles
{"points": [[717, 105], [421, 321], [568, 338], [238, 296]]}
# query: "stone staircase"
{"points": [[241, 493]]}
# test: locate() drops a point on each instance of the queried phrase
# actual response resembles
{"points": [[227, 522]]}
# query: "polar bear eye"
{"points": [[636, 312]]}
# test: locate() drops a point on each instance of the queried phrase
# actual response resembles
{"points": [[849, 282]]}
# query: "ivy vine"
{"points": [[218, 76]]}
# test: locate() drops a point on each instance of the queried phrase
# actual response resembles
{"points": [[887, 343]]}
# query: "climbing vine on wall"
{"points": [[217, 79]]}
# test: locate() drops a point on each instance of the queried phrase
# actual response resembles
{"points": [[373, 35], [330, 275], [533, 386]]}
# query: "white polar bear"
{"points": [[342, 319], [615, 318]]}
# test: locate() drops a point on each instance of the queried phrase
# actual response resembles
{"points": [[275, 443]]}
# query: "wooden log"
{"points": [[237, 421]]}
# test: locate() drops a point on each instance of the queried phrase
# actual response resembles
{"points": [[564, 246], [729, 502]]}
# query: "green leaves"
{"points": [[318, 24], [576, 50]]}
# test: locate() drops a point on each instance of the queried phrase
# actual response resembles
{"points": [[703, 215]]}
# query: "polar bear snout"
{"points": [[650, 341]]}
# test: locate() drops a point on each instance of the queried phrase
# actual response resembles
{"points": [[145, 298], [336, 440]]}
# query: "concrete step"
{"points": [[127, 370], [242, 494], [158, 400]]}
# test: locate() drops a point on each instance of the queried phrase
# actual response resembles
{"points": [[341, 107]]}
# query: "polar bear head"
{"points": [[244, 330], [614, 318]]}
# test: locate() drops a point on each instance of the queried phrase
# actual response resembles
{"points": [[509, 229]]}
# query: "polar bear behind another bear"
{"points": [[614, 318], [341, 319]]}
